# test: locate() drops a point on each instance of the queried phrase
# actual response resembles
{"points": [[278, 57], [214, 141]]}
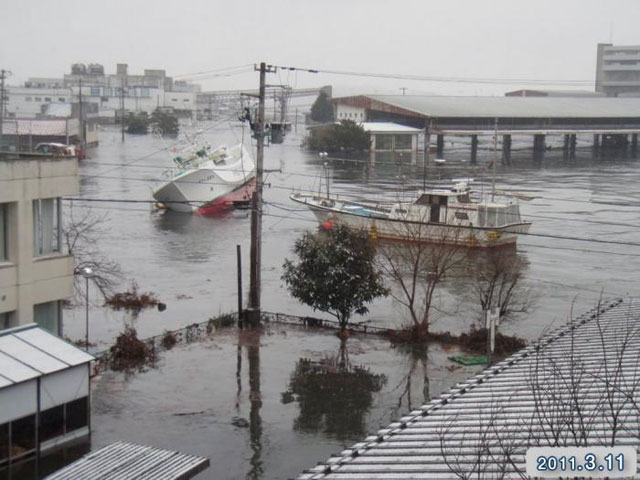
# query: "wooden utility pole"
{"points": [[239, 261], [3, 74], [122, 109], [253, 311], [80, 119]]}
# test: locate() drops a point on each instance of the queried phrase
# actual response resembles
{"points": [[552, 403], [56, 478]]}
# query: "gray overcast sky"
{"points": [[525, 39]]}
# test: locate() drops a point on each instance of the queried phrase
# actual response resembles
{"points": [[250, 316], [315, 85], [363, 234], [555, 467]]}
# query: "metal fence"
{"points": [[198, 331]]}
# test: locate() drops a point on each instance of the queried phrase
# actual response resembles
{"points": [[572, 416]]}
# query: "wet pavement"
{"points": [[272, 428]]}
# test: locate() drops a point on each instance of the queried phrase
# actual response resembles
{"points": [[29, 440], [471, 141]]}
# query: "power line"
{"points": [[471, 80], [216, 70]]}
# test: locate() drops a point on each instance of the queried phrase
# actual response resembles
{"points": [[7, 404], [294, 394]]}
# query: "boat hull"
{"points": [[421, 232], [228, 201], [203, 191]]}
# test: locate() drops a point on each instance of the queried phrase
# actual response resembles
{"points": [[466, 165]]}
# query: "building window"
{"points": [[38, 99], [47, 234], [47, 316], [51, 423], [23, 436], [4, 232], [4, 442], [47, 99], [174, 99], [6, 320], [403, 142], [61, 99], [95, 91], [28, 99], [77, 414], [185, 100], [384, 142]]}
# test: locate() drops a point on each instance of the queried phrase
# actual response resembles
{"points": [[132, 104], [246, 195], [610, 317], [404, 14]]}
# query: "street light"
{"points": [[87, 273]]}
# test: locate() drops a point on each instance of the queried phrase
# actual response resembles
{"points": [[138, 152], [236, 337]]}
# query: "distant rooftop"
{"points": [[55, 127], [531, 92], [482, 428], [498, 107], [388, 127]]}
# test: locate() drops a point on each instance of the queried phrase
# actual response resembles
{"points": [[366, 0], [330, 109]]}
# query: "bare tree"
{"points": [[580, 387], [498, 282], [417, 268], [80, 233]]}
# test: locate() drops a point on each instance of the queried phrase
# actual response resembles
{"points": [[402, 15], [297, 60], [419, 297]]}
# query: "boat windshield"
{"points": [[464, 198]]}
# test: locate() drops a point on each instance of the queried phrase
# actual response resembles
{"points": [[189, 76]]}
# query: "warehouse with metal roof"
{"points": [[44, 393], [577, 386], [612, 121]]}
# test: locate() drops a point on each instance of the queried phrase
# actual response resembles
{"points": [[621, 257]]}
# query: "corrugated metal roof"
{"points": [[512, 107], [28, 352], [44, 127], [388, 127], [133, 462], [482, 428]]}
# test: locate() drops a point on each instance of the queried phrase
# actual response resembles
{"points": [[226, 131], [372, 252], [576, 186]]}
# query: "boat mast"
{"points": [[495, 159], [326, 170]]}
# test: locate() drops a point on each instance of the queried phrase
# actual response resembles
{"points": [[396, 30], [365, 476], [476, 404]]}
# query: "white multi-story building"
{"points": [[31, 102], [618, 70], [36, 273], [139, 93]]}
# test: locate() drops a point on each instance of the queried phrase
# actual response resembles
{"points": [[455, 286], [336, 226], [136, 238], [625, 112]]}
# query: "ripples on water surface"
{"points": [[191, 400]]}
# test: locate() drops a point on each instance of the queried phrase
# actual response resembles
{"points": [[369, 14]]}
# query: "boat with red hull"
{"points": [[208, 181]]}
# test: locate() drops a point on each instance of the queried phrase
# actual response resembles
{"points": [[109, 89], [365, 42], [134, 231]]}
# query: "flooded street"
{"points": [[239, 399]]}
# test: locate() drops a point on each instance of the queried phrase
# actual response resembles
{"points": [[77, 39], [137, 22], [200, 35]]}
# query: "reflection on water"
{"points": [[34, 468], [250, 340], [255, 421], [410, 395], [333, 395]]}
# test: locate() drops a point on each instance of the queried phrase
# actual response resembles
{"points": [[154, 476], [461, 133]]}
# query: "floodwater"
{"points": [[275, 417]]}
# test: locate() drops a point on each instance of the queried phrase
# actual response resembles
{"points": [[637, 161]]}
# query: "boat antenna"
{"points": [[495, 159], [326, 170]]}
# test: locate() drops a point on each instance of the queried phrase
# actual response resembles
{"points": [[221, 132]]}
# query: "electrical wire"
{"points": [[466, 79]]}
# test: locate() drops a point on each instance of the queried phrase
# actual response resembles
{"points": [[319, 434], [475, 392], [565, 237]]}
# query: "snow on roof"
{"points": [[388, 127], [500, 107], [483, 427], [29, 352], [129, 460]]}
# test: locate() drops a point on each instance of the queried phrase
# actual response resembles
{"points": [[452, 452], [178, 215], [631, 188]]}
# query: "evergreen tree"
{"points": [[335, 273], [322, 109], [165, 123]]}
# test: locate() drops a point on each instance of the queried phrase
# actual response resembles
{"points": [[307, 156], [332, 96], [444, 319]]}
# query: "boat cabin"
{"points": [[457, 206]]}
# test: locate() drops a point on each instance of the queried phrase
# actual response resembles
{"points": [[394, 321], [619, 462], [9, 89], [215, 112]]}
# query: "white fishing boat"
{"points": [[445, 215], [208, 181]]}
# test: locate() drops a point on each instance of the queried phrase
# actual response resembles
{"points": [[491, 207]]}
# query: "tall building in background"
{"points": [[618, 70], [36, 271]]}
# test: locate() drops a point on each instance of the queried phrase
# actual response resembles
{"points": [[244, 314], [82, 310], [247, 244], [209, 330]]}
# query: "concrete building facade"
{"points": [[618, 70], [36, 272], [31, 102], [139, 93]]}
